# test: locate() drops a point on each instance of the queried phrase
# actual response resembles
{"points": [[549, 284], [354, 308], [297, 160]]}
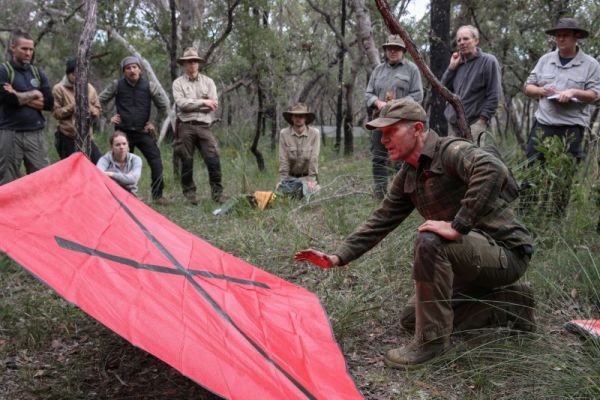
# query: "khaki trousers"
{"points": [[30, 148]]}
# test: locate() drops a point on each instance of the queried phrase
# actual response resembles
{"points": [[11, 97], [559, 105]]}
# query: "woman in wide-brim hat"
{"points": [[299, 146], [301, 110]]}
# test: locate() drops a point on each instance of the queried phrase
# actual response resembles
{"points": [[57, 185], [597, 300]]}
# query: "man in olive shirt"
{"points": [[469, 247], [196, 97]]}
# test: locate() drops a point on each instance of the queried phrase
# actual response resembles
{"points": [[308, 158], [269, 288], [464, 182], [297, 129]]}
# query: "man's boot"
{"points": [[416, 353], [213, 165]]}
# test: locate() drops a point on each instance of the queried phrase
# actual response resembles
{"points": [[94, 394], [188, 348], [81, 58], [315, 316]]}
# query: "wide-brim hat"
{"points": [[189, 54], [568, 23], [405, 108], [394, 40], [298, 109]]}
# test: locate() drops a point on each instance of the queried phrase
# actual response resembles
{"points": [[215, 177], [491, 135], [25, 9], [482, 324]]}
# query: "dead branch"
{"points": [[450, 97]]}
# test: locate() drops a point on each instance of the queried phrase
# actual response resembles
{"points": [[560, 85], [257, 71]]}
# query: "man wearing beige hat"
{"points": [[474, 76], [467, 251], [567, 82], [393, 79], [299, 146], [134, 95], [195, 95]]}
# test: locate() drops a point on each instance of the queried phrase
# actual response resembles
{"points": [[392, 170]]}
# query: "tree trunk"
{"points": [[83, 140], [260, 160], [339, 110], [173, 47], [364, 33], [348, 115], [439, 57]]}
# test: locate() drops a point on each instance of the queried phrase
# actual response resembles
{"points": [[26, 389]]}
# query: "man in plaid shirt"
{"points": [[470, 250]]}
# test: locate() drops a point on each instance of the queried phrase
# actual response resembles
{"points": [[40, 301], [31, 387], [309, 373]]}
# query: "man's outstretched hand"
{"points": [[318, 258]]}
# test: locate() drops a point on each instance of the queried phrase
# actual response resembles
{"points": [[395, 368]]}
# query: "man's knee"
{"points": [[426, 249]]}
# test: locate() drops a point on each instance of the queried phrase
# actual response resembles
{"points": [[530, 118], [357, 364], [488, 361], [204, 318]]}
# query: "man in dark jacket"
{"points": [[467, 251], [133, 96], [475, 77], [24, 93]]}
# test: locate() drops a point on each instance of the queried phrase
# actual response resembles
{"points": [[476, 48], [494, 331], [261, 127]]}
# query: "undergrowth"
{"points": [[51, 350]]}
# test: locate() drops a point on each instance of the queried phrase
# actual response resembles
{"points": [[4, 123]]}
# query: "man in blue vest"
{"points": [[24, 93], [134, 96]]}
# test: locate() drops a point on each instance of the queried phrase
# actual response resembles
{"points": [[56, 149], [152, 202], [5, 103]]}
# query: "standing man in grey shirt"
{"points": [[566, 81], [393, 79], [475, 77]]}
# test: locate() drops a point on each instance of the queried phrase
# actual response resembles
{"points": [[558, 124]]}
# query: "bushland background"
{"points": [[264, 56]]}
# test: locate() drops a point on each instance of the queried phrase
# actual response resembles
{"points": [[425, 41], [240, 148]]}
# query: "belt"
{"points": [[199, 123]]}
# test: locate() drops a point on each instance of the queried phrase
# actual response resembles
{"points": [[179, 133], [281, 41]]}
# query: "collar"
{"points": [[475, 56], [190, 79], [577, 60], [303, 132], [398, 64], [430, 145], [132, 83], [65, 82]]}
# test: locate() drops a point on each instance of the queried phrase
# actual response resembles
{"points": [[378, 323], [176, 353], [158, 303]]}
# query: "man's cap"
{"points": [[130, 60], [402, 109], [394, 40], [189, 54], [568, 23], [299, 109], [70, 67]]}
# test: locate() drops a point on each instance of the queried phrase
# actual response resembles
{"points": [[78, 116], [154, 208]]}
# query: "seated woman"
{"points": [[121, 165], [299, 146]]}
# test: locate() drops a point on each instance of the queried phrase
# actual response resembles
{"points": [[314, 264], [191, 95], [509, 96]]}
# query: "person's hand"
{"points": [[115, 119], [312, 186], [566, 95], [454, 61], [318, 258], [149, 128], [442, 228], [212, 104], [547, 90], [379, 104], [9, 88], [108, 173]]}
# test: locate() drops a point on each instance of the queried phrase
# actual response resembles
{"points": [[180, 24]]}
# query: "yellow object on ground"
{"points": [[264, 198]]}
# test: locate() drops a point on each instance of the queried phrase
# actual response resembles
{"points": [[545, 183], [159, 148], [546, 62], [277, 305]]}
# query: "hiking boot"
{"points": [[415, 353], [520, 307], [220, 198], [161, 201], [191, 197]]}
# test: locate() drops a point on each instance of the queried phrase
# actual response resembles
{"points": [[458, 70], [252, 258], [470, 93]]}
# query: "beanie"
{"points": [[130, 60], [71, 62]]}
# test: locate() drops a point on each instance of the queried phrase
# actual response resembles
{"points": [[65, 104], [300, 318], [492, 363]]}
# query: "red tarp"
{"points": [[586, 327], [231, 327]]}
